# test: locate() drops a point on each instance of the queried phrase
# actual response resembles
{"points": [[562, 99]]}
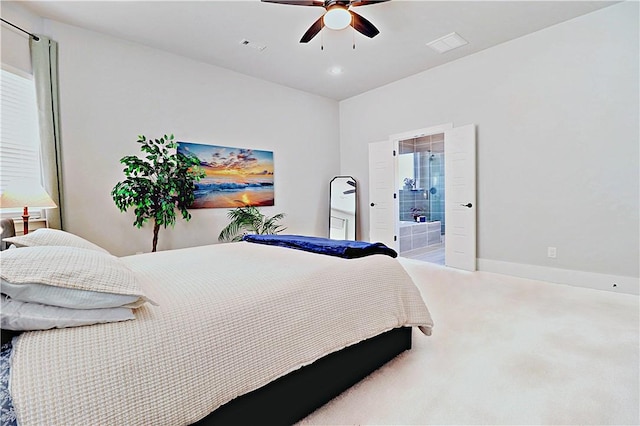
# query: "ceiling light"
{"points": [[337, 18], [335, 70]]}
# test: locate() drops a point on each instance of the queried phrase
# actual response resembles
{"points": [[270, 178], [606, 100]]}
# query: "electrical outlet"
{"points": [[552, 252]]}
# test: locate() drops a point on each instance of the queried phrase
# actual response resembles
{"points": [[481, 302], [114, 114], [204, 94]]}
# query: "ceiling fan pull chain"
{"points": [[321, 41], [353, 38], [353, 32]]}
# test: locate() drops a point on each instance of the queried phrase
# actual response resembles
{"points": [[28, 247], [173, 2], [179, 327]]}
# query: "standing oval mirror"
{"points": [[342, 208]]}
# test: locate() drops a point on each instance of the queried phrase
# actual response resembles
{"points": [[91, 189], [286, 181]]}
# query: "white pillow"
{"points": [[22, 316], [53, 237], [70, 269], [64, 297]]}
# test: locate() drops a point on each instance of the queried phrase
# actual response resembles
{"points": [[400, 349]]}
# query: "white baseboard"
{"points": [[615, 283]]}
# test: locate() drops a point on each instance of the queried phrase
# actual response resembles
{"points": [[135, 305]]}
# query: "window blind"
{"points": [[19, 132]]}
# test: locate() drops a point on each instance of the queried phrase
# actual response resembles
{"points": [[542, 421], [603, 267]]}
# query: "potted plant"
{"points": [[249, 220], [157, 184], [408, 183]]}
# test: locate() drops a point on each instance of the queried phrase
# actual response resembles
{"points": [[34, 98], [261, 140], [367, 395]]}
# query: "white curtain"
{"points": [[44, 60]]}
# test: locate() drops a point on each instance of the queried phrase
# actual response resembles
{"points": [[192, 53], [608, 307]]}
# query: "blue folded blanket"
{"points": [[341, 248]]}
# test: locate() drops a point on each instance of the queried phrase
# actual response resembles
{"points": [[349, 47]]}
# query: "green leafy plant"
{"points": [[249, 220], [158, 184]]}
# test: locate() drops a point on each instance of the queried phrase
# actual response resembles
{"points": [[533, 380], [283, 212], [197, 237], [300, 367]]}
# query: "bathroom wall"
{"points": [[428, 170], [412, 199]]}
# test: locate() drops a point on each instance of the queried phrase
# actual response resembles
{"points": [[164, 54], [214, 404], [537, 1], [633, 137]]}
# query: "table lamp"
{"points": [[25, 194]]}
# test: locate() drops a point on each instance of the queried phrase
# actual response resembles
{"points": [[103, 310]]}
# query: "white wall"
{"points": [[557, 140], [15, 44], [113, 90], [556, 113]]}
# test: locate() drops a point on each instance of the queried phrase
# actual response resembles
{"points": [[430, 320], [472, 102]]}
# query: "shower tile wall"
{"points": [[410, 199]]}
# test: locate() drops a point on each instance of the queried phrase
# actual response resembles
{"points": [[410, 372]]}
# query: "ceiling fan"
{"points": [[338, 15], [350, 191]]}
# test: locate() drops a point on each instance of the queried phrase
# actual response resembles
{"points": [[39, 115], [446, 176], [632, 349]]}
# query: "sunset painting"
{"points": [[235, 177]]}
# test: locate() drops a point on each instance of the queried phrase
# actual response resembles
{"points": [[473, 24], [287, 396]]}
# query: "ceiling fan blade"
{"points": [[297, 2], [365, 2], [313, 30], [362, 25]]}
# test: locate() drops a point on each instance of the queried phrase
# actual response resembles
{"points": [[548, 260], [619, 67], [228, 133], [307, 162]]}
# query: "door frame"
{"points": [[395, 140]]}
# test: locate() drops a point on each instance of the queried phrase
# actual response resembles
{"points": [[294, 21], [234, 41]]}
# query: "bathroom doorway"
{"points": [[421, 198], [457, 225]]}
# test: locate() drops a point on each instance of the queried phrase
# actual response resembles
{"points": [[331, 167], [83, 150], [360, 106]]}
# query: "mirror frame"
{"points": [[355, 203]]}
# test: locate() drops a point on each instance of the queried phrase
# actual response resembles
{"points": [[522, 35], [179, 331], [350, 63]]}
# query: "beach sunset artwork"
{"points": [[235, 177]]}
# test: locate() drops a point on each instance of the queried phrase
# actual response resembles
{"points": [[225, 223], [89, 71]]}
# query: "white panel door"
{"points": [[460, 197], [382, 205]]}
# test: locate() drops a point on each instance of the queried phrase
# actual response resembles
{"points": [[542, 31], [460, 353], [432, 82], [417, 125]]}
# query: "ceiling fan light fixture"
{"points": [[337, 18]]}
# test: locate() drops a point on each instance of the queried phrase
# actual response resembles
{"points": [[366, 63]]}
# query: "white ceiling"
{"points": [[211, 32]]}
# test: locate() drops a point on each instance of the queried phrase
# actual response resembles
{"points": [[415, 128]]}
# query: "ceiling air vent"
{"points": [[448, 42], [253, 45]]}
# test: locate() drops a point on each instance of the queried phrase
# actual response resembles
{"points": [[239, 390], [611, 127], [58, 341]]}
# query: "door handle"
{"points": [[373, 204], [469, 205]]}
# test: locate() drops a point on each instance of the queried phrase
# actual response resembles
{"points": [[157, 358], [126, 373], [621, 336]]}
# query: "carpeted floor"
{"points": [[505, 351]]}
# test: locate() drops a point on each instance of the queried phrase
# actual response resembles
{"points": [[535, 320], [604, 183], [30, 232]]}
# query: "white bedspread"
{"points": [[231, 318]]}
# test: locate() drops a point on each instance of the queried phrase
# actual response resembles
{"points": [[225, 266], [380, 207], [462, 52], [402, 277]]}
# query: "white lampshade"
{"points": [[25, 193], [337, 18]]}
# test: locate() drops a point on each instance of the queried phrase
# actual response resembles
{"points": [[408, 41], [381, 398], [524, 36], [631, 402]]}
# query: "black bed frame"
{"points": [[297, 394]]}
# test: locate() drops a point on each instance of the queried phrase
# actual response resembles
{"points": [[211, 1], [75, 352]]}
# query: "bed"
{"points": [[232, 333]]}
